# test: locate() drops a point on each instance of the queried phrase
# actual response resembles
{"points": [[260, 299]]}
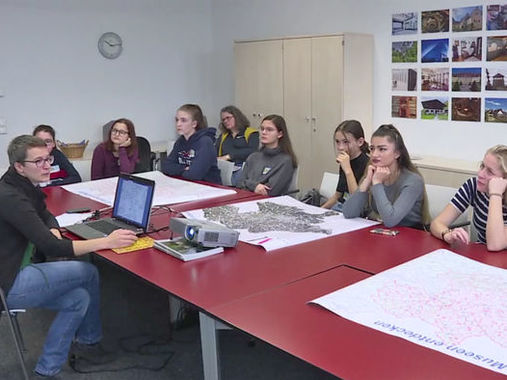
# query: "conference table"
{"points": [[265, 294]]}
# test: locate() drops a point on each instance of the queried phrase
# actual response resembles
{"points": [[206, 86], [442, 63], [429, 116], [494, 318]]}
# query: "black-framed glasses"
{"points": [[119, 132], [41, 161]]}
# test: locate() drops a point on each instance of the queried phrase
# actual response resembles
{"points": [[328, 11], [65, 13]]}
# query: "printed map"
{"points": [[279, 222], [441, 300]]}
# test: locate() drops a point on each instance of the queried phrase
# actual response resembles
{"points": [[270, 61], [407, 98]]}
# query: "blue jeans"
{"points": [[236, 176], [72, 288]]}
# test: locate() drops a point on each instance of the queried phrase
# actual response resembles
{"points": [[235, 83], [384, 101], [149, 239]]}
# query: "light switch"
{"points": [[3, 126]]}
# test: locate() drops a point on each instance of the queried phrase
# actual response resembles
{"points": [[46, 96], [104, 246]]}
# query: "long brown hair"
{"points": [[355, 128], [284, 141], [132, 134], [404, 161]]}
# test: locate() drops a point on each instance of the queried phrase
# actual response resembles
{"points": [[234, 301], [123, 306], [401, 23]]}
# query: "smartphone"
{"points": [[78, 210]]}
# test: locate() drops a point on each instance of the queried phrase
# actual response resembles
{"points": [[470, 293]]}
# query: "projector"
{"points": [[207, 234]]}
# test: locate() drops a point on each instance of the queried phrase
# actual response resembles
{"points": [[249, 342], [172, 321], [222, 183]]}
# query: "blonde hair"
{"points": [[500, 152]]}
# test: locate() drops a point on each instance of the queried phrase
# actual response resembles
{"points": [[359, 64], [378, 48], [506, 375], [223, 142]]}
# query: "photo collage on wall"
{"points": [[450, 64]]}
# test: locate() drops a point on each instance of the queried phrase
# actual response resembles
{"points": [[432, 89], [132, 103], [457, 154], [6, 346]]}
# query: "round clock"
{"points": [[110, 45]]}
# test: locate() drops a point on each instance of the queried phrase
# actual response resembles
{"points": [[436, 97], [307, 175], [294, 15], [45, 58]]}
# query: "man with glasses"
{"points": [[69, 287], [62, 171]]}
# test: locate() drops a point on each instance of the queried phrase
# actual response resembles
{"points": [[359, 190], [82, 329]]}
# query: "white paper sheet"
{"points": [[279, 222], [167, 190], [65, 220], [441, 301]]}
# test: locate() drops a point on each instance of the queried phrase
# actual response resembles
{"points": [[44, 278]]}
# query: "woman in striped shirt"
{"points": [[487, 194]]}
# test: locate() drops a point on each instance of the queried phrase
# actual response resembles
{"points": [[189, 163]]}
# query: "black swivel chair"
{"points": [[146, 157], [15, 330]]}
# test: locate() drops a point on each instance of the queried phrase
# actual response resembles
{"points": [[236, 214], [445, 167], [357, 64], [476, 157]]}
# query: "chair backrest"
{"points": [[293, 187], [105, 130], [226, 169], [328, 184], [439, 197], [145, 163]]}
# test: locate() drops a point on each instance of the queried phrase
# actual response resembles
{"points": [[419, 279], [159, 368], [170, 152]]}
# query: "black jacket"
{"points": [[24, 218]]}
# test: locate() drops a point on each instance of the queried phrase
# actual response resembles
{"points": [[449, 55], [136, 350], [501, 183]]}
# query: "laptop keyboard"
{"points": [[103, 226]]}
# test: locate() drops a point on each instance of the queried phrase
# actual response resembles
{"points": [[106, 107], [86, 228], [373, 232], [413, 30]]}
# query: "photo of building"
{"points": [[467, 19], [467, 49], [436, 79], [435, 50], [405, 23], [495, 110], [404, 107], [404, 51], [497, 17], [466, 109], [435, 21], [495, 79], [497, 48], [466, 79], [435, 108], [404, 80]]}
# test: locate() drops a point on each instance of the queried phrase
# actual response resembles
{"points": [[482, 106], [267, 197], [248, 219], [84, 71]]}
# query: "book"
{"points": [[184, 250]]}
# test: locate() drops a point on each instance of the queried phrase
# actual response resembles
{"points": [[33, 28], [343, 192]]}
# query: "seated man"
{"points": [[70, 287]]}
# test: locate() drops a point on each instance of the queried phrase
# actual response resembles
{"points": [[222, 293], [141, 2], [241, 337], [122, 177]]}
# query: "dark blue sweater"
{"points": [[197, 154]]}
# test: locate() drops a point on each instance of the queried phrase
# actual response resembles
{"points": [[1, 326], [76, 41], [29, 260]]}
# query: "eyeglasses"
{"points": [[41, 161], [119, 132], [227, 118]]}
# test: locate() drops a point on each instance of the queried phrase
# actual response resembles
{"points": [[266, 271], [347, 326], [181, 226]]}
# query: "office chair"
{"points": [[328, 184], [226, 169], [12, 317], [293, 187], [146, 157], [439, 197]]}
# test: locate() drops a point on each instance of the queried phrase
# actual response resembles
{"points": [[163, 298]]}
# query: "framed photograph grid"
{"points": [[450, 64]]}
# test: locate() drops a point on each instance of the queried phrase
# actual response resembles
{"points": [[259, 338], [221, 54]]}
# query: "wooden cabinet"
{"points": [[258, 84], [323, 81]]}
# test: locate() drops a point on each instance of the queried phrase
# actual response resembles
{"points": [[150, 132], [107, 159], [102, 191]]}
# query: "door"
{"points": [[297, 103], [327, 103], [258, 74]]}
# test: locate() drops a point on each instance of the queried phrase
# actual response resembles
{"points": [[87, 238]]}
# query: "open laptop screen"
{"points": [[132, 203]]}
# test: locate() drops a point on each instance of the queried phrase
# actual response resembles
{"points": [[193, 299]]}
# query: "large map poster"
{"points": [[441, 300], [279, 222], [167, 190]]}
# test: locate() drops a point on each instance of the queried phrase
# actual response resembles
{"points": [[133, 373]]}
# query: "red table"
{"points": [[245, 279], [282, 318]]}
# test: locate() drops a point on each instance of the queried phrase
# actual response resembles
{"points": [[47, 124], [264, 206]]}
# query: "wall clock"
{"points": [[110, 45]]}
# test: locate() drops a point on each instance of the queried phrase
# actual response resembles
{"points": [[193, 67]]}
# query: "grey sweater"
{"points": [[399, 204], [270, 167]]}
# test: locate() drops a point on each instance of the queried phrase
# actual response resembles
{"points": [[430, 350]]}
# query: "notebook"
{"points": [[131, 209]]}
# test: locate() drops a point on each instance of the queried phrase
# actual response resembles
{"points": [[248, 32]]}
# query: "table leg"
{"points": [[209, 345]]}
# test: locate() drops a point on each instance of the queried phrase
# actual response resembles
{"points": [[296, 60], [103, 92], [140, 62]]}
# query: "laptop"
{"points": [[131, 209]]}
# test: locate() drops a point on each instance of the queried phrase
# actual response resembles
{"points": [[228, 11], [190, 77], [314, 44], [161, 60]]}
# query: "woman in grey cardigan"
{"points": [[270, 170], [392, 189]]}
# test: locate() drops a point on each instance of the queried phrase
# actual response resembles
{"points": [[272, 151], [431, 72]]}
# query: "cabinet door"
{"points": [[258, 74], [297, 103], [327, 103]]}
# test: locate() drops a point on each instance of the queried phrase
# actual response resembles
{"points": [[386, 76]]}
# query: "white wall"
{"points": [[244, 20], [51, 71], [180, 51]]}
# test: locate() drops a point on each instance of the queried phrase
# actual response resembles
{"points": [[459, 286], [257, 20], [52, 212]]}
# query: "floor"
{"points": [[137, 328]]}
